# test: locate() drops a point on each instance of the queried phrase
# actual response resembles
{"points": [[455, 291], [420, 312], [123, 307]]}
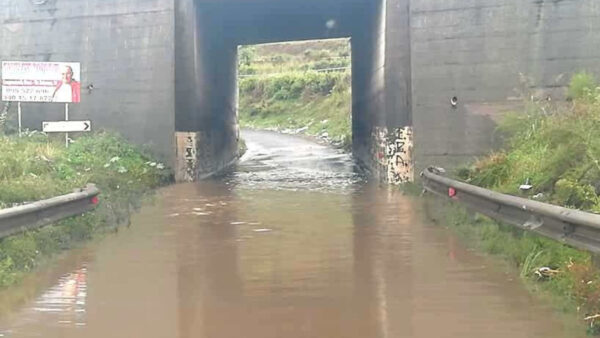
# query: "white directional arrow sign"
{"points": [[66, 126]]}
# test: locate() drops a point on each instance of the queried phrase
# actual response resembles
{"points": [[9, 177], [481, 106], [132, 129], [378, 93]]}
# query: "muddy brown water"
{"points": [[293, 244]]}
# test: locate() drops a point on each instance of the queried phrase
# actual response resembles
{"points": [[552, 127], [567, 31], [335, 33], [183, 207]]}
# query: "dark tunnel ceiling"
{"points": [[261, 21]]}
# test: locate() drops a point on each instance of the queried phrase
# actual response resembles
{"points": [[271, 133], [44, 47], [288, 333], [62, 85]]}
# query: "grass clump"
{"points": [[556, 149], [581, 85], [34, 168]]}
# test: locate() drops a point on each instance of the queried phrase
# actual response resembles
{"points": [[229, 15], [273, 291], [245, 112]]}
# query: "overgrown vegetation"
{"points": [[297, 87], [34, 167], [556, 149]]}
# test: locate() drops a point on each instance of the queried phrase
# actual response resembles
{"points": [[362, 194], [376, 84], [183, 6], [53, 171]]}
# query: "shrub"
{"points": [[581, 85]]}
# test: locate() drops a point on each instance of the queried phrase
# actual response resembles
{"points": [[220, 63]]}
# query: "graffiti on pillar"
{"points": [[393, 154], [190, 155], [187, 156]]}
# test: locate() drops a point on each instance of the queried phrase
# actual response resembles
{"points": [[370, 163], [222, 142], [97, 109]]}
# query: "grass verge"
{"points": [[34, 167]]}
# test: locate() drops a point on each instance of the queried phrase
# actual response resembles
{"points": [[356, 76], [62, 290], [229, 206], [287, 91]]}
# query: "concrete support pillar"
{"points": [[398, 74], [205, 93], [382, 117], [367, 82], [395, 138]]}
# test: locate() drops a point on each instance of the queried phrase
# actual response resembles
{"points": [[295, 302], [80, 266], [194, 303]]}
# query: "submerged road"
{"points": [[292, 244]]}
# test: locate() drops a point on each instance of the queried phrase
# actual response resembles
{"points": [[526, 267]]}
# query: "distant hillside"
{"points": [[302, 87]]}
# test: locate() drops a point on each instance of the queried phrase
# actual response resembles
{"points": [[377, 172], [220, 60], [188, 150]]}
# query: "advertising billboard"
{"points": [[26, 81]]}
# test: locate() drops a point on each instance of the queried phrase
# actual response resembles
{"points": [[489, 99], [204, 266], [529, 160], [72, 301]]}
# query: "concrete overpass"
{"points": [[164, 71], [205, 71]]}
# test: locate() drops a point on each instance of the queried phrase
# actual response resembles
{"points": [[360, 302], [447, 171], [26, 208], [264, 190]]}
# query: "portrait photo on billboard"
{"points": [[68, 88], [31, 81]]}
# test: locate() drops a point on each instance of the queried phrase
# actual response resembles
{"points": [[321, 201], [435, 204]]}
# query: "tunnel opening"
{"points": [[298, 87], [207, 36]]}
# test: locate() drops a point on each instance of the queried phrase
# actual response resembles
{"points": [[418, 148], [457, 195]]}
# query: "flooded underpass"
{"points": [[292, 244]]}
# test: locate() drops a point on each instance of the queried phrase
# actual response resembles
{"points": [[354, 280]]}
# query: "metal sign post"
{"points": [[66, 126], [67, 119], [19, 116]]}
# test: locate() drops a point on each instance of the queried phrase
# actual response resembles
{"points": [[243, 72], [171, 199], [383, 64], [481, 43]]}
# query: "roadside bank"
{"points": [[35, 167], [551, 155]]}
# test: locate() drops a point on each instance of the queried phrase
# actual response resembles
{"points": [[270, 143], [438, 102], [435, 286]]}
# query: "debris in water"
{"points": [[526, 186], [546, 272], [592, 317], [201, 213], [173, 214], [197, 209], [300, 130], [237, 223], [262, 230]]}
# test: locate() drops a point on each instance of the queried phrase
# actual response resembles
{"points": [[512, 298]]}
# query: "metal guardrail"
{"points": [[41, 213], [574, 227]]}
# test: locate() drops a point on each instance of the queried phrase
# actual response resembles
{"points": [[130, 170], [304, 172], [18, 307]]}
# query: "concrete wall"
{"points": [[126, 51], [475, 50]]}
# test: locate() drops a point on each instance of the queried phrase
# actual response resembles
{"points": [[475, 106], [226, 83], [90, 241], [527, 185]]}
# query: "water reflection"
{"points": [[62, 305], [66, 300], [293, 163], [207, 256], [383, 222]]}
